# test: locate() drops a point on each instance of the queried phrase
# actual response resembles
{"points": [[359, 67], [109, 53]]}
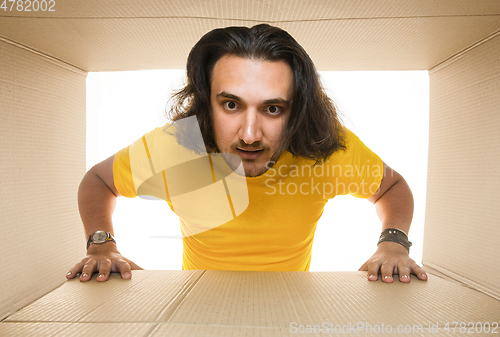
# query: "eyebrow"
{"points": [[267, 101]]}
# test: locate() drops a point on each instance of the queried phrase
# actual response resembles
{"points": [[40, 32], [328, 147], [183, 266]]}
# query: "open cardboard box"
{"points": [[44, 60]]}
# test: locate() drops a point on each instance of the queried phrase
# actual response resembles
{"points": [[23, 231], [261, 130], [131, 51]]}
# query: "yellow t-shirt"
{"points": [[276, 231]]}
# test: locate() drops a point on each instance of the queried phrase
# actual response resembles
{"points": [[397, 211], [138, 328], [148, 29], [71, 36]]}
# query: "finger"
{"points": [[387, 269], [419, 272], [364, 267], [104, 270], [404, 272], [134, 266], [124, 269], [88, 270], [373, 269], [76, 269]]}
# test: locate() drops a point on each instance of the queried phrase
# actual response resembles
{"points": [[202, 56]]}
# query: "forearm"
{"points": [[96, 203], [394, 204], [395, 207]]}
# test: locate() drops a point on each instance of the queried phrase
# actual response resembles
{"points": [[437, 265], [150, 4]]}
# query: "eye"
{"points": [[230, 105], [273, 110]]}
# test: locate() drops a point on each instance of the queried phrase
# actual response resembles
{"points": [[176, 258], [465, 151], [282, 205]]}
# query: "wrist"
{"points": [[396, 236], [392, 246], [99, 237], [108, 246]]}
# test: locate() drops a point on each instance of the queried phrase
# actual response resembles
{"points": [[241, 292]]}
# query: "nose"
{"points": [[250, 127]]}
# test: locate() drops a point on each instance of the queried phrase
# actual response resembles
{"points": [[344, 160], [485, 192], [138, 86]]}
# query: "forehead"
{"points": [[252, 78]]}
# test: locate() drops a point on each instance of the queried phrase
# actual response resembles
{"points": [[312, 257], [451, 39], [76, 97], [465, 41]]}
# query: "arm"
{"points": [[96, 202], [394, 204]]}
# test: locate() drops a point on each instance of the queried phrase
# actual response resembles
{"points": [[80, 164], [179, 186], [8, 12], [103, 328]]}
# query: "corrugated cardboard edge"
{"points": [[457, 56], [436, 267], [51, 59], [60, 101], [448, 275], [172, 307], [25, 304], [312, 296]]}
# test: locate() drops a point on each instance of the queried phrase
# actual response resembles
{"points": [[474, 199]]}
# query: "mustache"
{"points": [[255, 145]]}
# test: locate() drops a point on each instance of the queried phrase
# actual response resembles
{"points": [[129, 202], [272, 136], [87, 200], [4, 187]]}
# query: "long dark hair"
{"points": [[313, 129]]}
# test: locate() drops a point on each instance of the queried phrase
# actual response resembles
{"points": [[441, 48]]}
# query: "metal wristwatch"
{"points": [[100, 237]]}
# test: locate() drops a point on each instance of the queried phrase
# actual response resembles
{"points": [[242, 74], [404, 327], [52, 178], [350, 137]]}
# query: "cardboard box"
{"points": [[44, 59], [231, 303]]}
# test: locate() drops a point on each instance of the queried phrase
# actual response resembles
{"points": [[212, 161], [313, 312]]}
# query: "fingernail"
{"points": [[424, 276], [102, 275], [404, 277], [85, 275], [69, 273], [372, 277], [126, 275], [387, 277]]}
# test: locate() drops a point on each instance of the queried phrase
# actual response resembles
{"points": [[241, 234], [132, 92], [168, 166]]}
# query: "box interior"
{"points": [[45, 57], [235, 303]]}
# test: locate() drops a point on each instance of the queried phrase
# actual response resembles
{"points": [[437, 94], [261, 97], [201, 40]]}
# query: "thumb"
{"points": [[134, 266], [364, 267]]}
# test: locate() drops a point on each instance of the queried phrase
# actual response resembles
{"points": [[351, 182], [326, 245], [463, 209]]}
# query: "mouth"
{"points": [[249, 153]]}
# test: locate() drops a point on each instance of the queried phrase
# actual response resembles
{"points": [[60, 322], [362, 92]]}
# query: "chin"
{"points": [[253, 170]]}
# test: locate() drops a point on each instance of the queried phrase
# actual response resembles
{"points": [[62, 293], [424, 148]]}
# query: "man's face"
{"points": [[251, 102]]}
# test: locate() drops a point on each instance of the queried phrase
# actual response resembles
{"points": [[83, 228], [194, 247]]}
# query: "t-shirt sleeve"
{"points": [[138, 168], [132, 166], [122, 174], [359, 171]]}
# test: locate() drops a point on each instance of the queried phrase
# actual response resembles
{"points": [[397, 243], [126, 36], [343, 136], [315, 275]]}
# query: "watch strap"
{"points": [[109, 237], [395, 235]]}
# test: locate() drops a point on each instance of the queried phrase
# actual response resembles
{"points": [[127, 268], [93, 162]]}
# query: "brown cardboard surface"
{"points": [[339, 35], [44, 59], [463, 189], [75, 329], [232, 303], [265, 10], [42, 159], [140, 300]]}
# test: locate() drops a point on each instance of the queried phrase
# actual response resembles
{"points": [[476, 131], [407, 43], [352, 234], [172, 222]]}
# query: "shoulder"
{"points": [[352, 144], [351, 140]]}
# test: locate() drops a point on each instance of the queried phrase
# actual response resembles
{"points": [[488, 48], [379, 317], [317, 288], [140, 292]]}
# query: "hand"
{"points": [[104, 258], [392, 258]]}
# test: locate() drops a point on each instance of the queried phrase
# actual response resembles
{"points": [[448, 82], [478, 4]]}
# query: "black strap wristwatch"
{"points": [[100, 237], [395, 235]]}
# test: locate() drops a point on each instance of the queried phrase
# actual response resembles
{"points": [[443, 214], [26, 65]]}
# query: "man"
{"points": [[256, 95]]}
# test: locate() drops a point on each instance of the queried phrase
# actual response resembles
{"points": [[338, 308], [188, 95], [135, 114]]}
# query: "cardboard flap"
{"points": [[228, 303], [342, 35]]}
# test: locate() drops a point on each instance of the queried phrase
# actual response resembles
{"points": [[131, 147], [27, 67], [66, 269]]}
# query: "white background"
{"points": [[389, 111]]}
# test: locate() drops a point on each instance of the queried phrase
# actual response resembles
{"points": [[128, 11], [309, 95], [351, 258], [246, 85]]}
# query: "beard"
{"points": [[249, 168], [252, 170]]}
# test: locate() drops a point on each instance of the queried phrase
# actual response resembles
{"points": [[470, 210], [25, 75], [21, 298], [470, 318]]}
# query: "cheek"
{"points": [[217, 117], [223, 128], [275, 130]]}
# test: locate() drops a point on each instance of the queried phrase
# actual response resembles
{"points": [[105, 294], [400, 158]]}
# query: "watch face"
{"points": [[99, 237]]}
